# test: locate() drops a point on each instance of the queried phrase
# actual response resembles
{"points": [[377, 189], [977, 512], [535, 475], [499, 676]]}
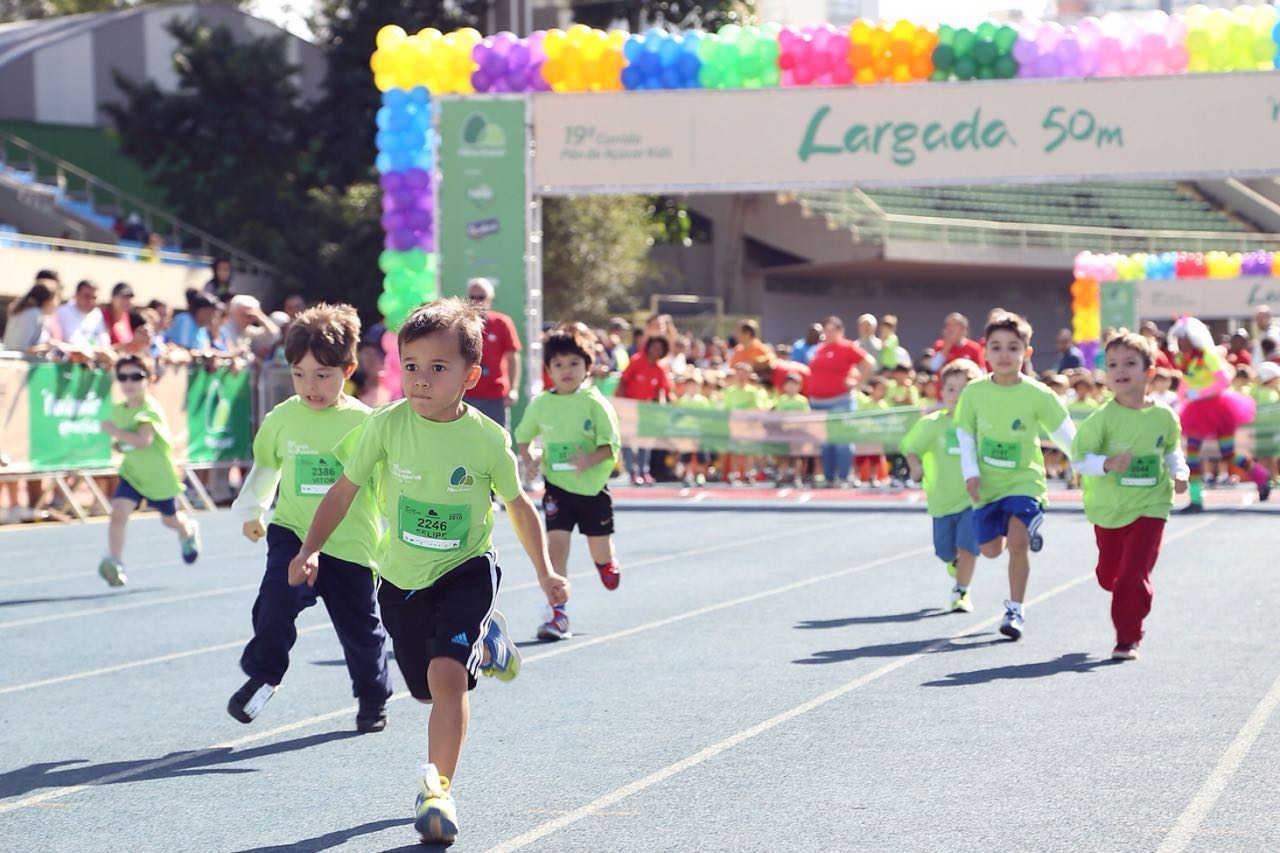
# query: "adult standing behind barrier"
{"points": [[116, 314], [955, 343], [218, 288], [31, 328], [249, 328], [499, 385], [188, 329], [803, 349], [835, 371], [81, 318]]}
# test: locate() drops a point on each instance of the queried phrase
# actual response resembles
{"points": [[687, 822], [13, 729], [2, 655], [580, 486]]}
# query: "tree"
{"points": [[26, 10], [595, 257], [686, 14]]}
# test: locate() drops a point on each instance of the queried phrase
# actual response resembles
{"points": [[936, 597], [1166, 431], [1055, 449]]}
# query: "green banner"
{"points": [[883, 427], [1118, 305], [1266, 431], [67, 406], [219, 415], [709, 427]]}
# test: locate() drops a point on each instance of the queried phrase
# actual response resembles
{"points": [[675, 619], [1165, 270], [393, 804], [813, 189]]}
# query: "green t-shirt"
{"points": [[903, 394], [435, 479], [753, 397], [148, 469], [1005, 422], [1119, 498], [569, 424], [933, 439], [1265, 396], [1081, 410], [298, 441], [791, 403], [693, 401]]}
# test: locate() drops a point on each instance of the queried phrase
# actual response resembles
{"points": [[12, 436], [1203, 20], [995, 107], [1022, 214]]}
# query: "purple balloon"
{"points": [[418, 179], [481, 80], [537, 55], [1047, 66], [402, 239], [1068, 50], [417, 219], [518, 79], [538, 83], [393, 220], [1024, 51], [391, 181], [518, 55]]}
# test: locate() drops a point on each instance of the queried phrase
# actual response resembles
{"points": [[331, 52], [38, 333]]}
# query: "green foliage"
{"points": [[710, 15], [595, 259], [26, 10]]}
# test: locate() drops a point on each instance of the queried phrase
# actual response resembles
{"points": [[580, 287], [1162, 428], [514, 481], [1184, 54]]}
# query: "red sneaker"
{"points": [[610, 574]]}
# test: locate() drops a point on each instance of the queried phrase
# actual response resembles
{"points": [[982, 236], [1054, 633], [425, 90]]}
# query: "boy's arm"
{"points": [[1064, 434], [141, 437], [528, 527], [333, 508], [255, 499]]}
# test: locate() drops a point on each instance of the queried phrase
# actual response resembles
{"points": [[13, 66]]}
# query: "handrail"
{"points": [[87, 248], [208, 243]]}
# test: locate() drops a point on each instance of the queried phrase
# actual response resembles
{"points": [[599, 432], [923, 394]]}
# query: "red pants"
{"points": [[1126, 556]]}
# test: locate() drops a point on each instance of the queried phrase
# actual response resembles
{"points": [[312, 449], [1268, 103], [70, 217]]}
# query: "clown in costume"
{"points": [[1210, 410]]}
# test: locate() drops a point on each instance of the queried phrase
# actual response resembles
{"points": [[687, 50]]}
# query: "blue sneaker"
{"points": [[435, 816], [504, 657], [191, 544]]}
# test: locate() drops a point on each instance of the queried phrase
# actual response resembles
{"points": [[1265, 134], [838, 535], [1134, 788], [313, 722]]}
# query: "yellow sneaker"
{"points": [[960, 602], [436, 818]]}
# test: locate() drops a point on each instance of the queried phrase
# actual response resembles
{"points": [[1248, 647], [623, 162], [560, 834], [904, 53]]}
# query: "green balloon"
{"points": [[769, 51], [986, 72], [707, 50], [939, 76], [399, 282], [985, 53], [1241, 37], [1220, 56], [1006, 67], [964, 42], [415, 260], [966, 68], [391, 307], [946, 34], [772, 77], [1006, 38], [731, 78], [986, 30], [1264, 49], [389, 261], [944, 57]]}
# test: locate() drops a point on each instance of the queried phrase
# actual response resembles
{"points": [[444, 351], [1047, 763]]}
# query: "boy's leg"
{"points": [[266, 656], [1131, 600], [1019, 543], [348, 593], [966, 563], [601, 548], [558, 545], [450, 714], [966, 549], [990, 525], [1110, 553], [121, 508]]}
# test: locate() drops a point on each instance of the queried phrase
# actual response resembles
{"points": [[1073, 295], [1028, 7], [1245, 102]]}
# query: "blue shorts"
{"points": [[951, 532], [992, 520], [126, 491]]}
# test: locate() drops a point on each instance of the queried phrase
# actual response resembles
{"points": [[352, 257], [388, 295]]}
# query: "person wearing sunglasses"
{"points": [[138, 427], [499, 385]]}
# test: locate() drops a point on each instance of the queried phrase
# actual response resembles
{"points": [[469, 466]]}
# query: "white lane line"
{"points": [[133, 664], [618, 794], [132, 605], [107, 670], [1188, 823], [58, 793]]}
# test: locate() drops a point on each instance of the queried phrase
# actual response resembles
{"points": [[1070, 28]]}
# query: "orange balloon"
{"points": [[901, 51], [883, 67], [879, 41], [901, 73], [867, 76], [922, 67], [860, 56]]}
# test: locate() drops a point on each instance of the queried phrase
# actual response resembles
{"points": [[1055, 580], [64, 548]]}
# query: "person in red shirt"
{"points": [[955, 343], [116, 314], [835, 371], [645, 379], [1238, 349], [499, 385]]}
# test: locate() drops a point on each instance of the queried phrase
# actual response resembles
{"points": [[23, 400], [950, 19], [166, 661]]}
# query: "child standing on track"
{"points": [[933, 439], [436, 462], [998, 422], [141, 433], [580, 440], [294, 450], [1130, 453]]}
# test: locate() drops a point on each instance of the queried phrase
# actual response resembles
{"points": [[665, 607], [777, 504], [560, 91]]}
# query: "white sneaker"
{"points": [[1011, 626], [435, 816], [960, 601]]}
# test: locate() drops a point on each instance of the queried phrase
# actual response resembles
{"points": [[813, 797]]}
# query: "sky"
{"points": [[291, 14]]}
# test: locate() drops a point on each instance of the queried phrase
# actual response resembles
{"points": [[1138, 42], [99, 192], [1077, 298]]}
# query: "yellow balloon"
{"points": [[554, 43], [860, 32], [903, 31], [389, 36], [382, 62], [593, 46], [618, 38], [553, 72], [384, 82]]}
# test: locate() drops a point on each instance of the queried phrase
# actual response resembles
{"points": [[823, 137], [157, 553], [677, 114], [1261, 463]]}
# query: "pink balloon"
{"points": [[1089, 61], [1175, 59], [1089, 33], [1176, 29], [1049, 35], [390, 378]]}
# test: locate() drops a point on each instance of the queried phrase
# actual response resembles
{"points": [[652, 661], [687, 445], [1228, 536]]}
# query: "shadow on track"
{"points": [[14, 602], [58, 774], [882, 619], [1074, 662], [338, 837], [904, 649]]}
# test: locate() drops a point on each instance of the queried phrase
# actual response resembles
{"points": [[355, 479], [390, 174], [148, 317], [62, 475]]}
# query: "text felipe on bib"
{"points": [[435, 527]]}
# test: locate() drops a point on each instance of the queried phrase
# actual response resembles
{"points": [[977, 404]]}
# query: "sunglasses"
{"points": [[476, 297], [131, 377]]}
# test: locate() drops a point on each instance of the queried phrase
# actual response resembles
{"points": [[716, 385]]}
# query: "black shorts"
{"points": [[445, 620], [591, 514]]}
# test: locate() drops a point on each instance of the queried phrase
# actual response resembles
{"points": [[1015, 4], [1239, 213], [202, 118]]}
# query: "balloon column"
{"points": [[1085, 318], [985, 53], [1243, 39], [662, 60], [814, 56], [740, 58], [899, 52]]}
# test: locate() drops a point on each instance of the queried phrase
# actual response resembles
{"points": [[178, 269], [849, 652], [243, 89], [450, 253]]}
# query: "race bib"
{"points": [[1001, 454], [953, 443], [434, 527], [560, 455], [1144, 471], [314, 474]]}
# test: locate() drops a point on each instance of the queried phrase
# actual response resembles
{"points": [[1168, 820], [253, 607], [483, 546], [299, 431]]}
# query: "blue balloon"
{"points": [[671, 79], [397, 99], [386, 141], [669, 51], [382, 118], [383, 163], [401, 160], [632, 78], [420, 96], [632, 48]]}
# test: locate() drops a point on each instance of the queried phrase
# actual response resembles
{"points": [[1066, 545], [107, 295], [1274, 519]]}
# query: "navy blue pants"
{"points": [[347, 590]]}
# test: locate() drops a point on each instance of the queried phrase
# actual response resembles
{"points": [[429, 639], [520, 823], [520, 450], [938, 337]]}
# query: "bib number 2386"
{"points": [[434, 527], [314, 473]]}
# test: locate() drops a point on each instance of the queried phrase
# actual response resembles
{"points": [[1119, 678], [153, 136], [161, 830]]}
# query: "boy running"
{"points": [[147, 473], [580, 439], [1130, 453], [293, 450], [998, 423], [437, 461], [933, 439]]}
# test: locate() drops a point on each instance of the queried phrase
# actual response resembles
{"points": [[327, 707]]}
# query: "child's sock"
{"points": [[1196, 490], [960, 589], [1016, 607]]}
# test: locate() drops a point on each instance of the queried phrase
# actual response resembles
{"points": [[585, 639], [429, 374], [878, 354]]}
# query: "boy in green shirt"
{"points": [[436, 461], [998, 423], [138, 425], [293, 451], [743, 394], [933, 439], [687, 394], [791, 468], [580, 440], [1130, 453]]}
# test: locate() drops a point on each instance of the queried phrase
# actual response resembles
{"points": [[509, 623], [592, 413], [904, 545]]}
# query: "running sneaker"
{"points": [[637, 480], [557, 625], [191, 544], [649, 480], [504, 657], [435, 816], [1262, 480], [112, 571], [1011, 626], [960, 601], [371, 715], [1125, 651], [610, 574], [1191, 509], [951, 568], [247, 702]]}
